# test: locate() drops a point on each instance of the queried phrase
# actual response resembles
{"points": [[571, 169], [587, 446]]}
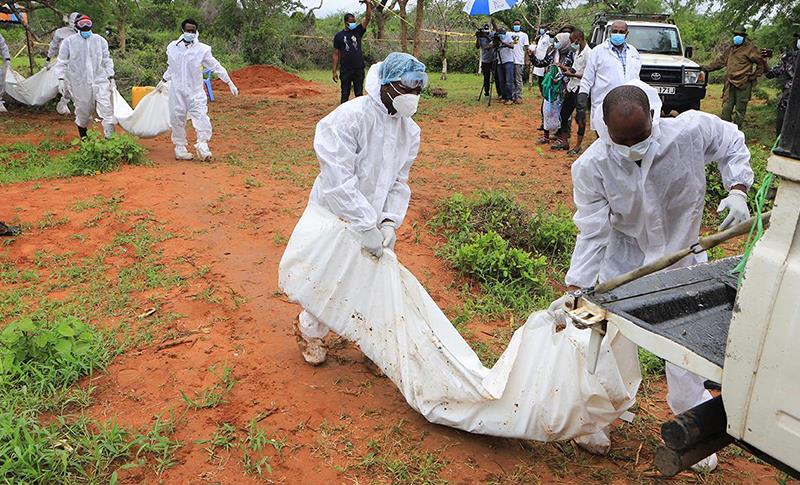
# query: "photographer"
{"points": [[484, 40]]}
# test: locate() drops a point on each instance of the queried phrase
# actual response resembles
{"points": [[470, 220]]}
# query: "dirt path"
{"points": [[339, 422]]}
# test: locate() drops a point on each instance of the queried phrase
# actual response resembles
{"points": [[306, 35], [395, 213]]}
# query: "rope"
{"points": [[368, 39], [757, 230]]}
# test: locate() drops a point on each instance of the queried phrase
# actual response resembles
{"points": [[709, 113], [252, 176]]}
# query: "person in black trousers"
{"points": [[348, 56]]}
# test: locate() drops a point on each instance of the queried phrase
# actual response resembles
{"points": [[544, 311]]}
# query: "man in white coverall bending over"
{"points": [[186, 59], [59, 35], [85, 71], [639, 194], [365, 149]]}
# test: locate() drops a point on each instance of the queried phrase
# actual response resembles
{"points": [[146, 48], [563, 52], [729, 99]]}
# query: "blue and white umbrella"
{"points": [[487, 7]]}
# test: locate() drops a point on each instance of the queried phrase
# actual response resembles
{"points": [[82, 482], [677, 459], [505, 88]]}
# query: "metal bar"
{"points": [[695, 425]]}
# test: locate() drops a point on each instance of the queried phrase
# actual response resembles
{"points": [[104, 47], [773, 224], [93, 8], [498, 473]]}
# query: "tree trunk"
{"points": [[403, 26], [380, 19], [418, 24], [443, 53], [122, 36]]}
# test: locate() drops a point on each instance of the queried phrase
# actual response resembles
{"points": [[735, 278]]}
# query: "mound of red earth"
{"points": [[269, 81]]}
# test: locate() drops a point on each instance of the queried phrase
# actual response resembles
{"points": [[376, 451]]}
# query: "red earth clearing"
{"points": [[269, 81]]}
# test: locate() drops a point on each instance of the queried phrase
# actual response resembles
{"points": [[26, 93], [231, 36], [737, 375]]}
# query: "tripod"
{"points": [[492, 75]]}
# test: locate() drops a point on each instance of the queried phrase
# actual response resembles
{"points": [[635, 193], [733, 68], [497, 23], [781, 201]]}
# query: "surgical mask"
{"points": [[189, 37], [405, 104], [352, 25], [797, 44], [86, 34], [617, 39], [516, 28], [738, 40], [633, 153], [542, 31], [575, 47], [557, 45]]}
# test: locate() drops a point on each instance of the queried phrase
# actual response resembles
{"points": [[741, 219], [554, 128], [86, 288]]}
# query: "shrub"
{"points": [[97, 155], [489, 259], [42, 357]]}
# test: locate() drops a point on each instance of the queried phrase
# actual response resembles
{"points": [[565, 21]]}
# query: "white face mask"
{"points": [[405, 104], [798, 43], [189, 37], [633, 153]]}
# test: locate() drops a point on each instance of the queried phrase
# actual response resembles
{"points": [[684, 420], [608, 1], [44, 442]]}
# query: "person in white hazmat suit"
{"points": [[85, 72], [186, 59], [365, 149], [639, 193], [59, 35], [6, 54], [610, 64]]}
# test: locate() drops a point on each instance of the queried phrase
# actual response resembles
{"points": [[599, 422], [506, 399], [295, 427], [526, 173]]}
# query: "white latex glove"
{"points": [[558, 310], [113, 83], [738, 212], [372, 242], [161, 86], [388, 230], [62, 87], [234, 89]]}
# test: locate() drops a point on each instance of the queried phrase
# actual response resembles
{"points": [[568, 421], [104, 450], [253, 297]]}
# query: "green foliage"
{"points": [[39, 358], [98, 155], [20, 162], [715, 191], [215, 395], [650, 364], [510, 252]]}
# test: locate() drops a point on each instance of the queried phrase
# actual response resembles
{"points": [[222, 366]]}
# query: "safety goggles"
{"points": [[414, 80], [84, 24]]}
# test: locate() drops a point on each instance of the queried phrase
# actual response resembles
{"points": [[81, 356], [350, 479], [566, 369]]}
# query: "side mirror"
{"points": [[689, 52]]}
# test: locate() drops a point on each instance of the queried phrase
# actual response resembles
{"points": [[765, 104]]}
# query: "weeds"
{"points": [[214, 395], [98, 155]]}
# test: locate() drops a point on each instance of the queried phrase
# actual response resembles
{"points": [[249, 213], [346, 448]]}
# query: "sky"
{"points": [[335, 6]]}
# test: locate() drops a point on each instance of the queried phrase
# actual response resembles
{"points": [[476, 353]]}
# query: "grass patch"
{"points": [[21, 162], [510, 252], [214, 395]]}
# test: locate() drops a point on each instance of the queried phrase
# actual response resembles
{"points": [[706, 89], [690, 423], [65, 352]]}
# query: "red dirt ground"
{"points": [[269, 81], [333, 415]]}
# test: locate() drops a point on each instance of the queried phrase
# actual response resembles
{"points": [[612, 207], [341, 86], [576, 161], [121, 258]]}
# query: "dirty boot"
{"points": [[203, 152], [82, 132], [314, 350], [181, 153]]}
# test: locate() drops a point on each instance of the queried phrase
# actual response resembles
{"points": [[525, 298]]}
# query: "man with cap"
{"points": [[348, 55], [85, 71], [365, 150], [58, 37], [743, 64], [6, 55], [785, 70]]}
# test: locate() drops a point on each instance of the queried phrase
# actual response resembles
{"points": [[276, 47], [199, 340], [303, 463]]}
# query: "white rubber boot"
{"points": [[313, 349], [108, 132], [706, 465], [596, 444], [181, 153], [62, 107], [203, 152], [3, 107]]}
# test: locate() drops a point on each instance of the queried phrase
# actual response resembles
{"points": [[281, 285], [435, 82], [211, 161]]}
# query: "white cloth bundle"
{"points": [[539, 389]]}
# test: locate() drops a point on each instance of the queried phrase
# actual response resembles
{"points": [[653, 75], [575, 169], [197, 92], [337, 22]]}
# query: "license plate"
{"points": [[666, 89]]}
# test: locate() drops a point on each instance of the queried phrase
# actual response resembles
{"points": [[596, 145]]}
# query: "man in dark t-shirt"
{"points": [[348, 56]]}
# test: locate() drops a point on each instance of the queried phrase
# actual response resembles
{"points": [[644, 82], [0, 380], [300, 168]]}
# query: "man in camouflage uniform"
{"points": [[738, 59], [785, 70]]}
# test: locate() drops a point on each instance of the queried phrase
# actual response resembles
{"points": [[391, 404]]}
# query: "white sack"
{"points": [[36, 90], [539, 389], [149, 119], [551, 115]]}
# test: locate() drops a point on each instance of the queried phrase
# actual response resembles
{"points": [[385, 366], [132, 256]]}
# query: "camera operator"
{"points": [[484, 40]]}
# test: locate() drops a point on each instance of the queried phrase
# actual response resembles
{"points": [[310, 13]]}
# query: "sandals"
{"points": [[559, 145], [543, 140], [575, 151]]}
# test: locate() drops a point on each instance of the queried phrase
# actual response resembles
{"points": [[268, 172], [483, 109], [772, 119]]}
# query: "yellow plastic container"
{"points": [[139, 92]]}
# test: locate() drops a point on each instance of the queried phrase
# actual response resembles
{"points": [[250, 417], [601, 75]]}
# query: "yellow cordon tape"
{"points": [[316, 37]]}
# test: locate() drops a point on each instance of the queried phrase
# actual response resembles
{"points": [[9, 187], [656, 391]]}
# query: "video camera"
{"points": [[495, 37]]}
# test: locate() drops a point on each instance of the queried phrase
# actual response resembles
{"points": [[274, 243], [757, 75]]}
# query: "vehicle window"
{"points": [[654, 40]]}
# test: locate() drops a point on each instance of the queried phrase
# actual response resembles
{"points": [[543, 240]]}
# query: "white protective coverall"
{"points": [[87, 67], [5, 63], [629, 216], [604, 72], [58, 37], [365, 155], [187, 97]]}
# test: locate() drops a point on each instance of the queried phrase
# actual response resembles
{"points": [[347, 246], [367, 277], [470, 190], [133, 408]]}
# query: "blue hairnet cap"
{"points": [[399, 66]]}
